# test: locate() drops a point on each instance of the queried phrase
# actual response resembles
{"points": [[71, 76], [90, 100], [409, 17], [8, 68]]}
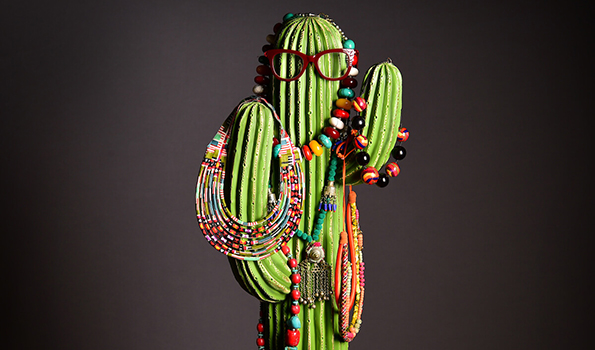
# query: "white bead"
{"points": [[337, 123], [258, 89], [353, 72]]}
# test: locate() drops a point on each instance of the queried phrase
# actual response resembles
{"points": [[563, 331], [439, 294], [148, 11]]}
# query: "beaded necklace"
{"points": [[236, 238]]}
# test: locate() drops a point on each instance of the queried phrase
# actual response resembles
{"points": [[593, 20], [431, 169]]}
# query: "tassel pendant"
{"points": [[316, 276], [328, 202]]}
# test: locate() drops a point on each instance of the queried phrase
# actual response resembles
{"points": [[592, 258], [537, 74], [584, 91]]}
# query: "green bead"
{"points": [[346, 93], [320, 221], [309, 239], [318, 226], [315, 237], [276, 151], [290, 15], [347, 44], [322, 215]]}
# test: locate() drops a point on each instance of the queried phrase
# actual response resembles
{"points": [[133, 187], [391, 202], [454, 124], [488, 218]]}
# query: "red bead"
{"points": [[292, 263], [295, 309], [260, 342], [331, 132], [260, 328], [340, 113], [262, 80], [295, 294], [355, 60], [292, 337], [263, 70], [275, 141], [359, 104], [349, 82], [285, 249], [296, 278], [307, 152], [277, 28]]}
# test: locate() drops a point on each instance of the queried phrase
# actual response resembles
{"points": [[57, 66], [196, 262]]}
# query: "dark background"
{"points": [[482, 242]]}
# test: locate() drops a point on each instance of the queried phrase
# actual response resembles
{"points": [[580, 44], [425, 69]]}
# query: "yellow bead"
{"points": [[343, 103], [316, 147]]}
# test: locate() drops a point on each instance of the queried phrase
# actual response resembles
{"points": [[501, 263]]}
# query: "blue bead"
{"points": [[294, 322], [348, 44], [346, 93], [276, 151], [325, 140]]}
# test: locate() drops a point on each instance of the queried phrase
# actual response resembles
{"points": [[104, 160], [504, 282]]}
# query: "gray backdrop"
{"points": [[482, 242]]}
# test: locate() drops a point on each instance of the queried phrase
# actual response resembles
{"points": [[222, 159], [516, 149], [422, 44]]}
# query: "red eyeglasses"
{"points": [[333, 64]]}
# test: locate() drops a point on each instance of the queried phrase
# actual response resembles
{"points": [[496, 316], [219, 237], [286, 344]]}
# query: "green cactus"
{"points": [[304, 107]]}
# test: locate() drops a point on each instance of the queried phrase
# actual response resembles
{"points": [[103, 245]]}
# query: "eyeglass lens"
{"points": [[331, 65]]}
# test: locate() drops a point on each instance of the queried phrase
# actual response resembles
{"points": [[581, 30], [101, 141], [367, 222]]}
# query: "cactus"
{"points": [[304, 107]]}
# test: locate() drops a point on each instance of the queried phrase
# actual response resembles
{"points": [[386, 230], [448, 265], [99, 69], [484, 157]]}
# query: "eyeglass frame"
{"points": [[351, 53]]}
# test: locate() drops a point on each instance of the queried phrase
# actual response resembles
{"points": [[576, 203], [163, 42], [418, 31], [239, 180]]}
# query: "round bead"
{"points": [[337, 123], [295, 294], [403, 135], [360, 142], [359, 104], [343, 103], [346, 93], [288, 16], [275, 141], [271, 39], [285, 249], [263, 60], [316, 147], [260, 342], [260, 328], [295, 309], [307, 152], [267, 47], [331, 132], [258, 89], [362, 158], [349, 82], [382, 180], [261, 80], [399, 152], [358, 122], [393, 169], [353, 72], [263, 70], [340, 113], [277, 27], [296, 278], [292, 263], [355, 60], [348, 44], [370, 175], [326, 142]]}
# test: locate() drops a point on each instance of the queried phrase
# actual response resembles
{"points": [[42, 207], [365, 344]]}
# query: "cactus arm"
{"points": [[248, 168], [382, 89]]}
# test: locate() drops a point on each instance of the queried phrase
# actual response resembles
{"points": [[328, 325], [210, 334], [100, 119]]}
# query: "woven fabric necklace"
{"points": [[240, 239]]}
